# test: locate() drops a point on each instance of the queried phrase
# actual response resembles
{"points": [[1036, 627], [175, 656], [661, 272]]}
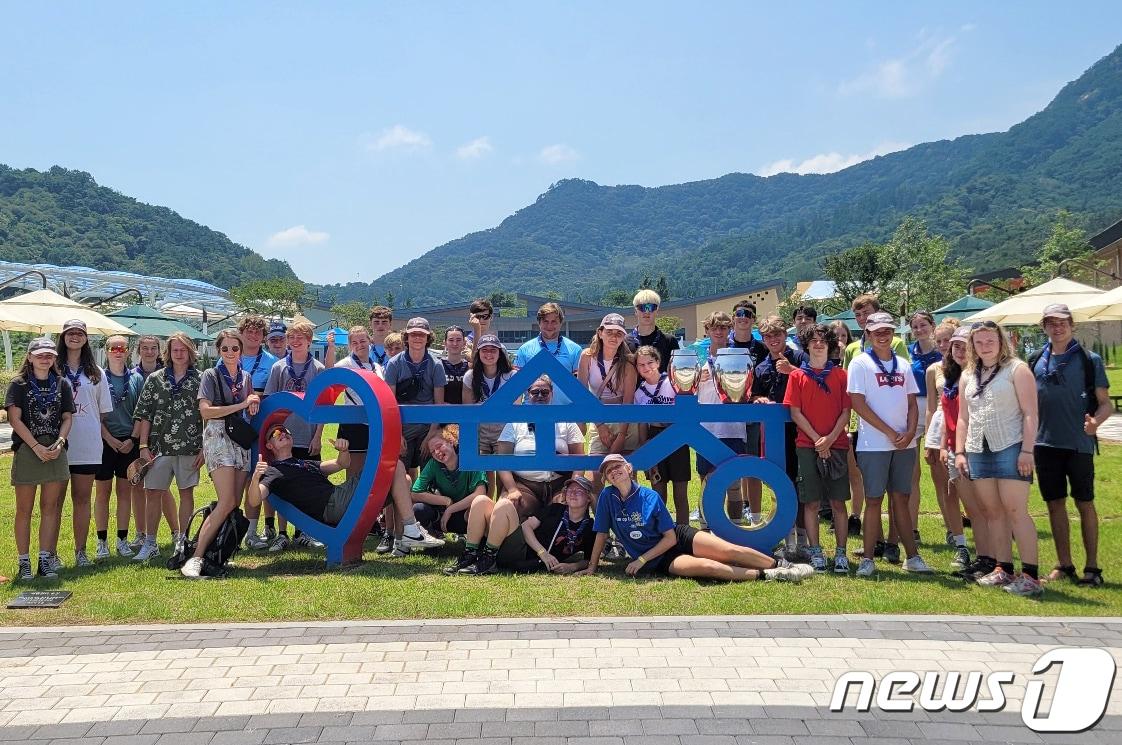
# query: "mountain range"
{"points": [[992, 195]]}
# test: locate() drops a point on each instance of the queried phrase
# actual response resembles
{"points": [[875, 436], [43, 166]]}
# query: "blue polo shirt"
{"points": [[920, 363], [258, 366], [565, 350], [638, 521]]}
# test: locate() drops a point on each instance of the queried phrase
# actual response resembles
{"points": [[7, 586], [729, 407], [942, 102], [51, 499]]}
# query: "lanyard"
{"points": [[556, 352]]}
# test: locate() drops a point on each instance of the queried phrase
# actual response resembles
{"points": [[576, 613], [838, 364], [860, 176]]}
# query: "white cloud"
{"points": [[296, 236], [399, 137], [554, 154], [828, 162], [477, 148], [908, 74]]}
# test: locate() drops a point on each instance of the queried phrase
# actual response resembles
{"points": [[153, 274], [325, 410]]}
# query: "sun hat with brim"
{"points": [[489, 340], [580, 481], [1057, 310], [609, 461], [613, 321], [41, 346], [878, 321], [74, 323], [418, 324]]}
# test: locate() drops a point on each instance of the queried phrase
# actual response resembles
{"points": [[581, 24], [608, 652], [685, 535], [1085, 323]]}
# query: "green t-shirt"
{"points": [[452, 484], [855, 348]]}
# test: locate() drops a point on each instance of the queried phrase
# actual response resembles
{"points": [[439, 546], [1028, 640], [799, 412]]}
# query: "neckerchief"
{"points": [[978, 379], [1056, 376], [177, 385], [818, 377], [235, 386], [925, 359], [43, 400], [556, 352], [658, 387], [603, 371], [296, 382], [140, 369], [951, 391], [568, 534], [257, 362], [380, 357], [75, 378], [360, 364], [118, 397], [416, 370], [489, 388]]}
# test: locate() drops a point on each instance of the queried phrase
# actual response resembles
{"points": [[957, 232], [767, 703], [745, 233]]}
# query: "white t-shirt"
{"points": [[84, 445], [564, 434], [350, 397], [886, 393]]}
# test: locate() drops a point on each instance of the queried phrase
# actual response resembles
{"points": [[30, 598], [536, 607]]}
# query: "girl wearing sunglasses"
{"points": [[120, 436]]}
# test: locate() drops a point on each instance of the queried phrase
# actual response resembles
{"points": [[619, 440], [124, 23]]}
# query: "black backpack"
{"points": [[225, 545], [1092, 404]]}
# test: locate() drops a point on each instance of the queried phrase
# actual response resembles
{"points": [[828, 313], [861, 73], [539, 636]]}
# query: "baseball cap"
{"points": [[962, 333], [490, 340], [277, 328], [74, 323], [41, 345], [613, 321], [416, 324], [880, 320], [580, 481], [1057, 310], [610, 460]]}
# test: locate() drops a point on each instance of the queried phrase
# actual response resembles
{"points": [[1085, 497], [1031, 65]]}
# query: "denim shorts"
{"points": [[1001, 464]]}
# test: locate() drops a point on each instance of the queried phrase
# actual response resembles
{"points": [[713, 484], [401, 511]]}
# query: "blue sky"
{"points": [[349, 138]]}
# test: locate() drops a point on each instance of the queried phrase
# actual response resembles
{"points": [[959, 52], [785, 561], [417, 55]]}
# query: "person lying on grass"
{"points": [[645, 529], [560, 540], [304, 485]]}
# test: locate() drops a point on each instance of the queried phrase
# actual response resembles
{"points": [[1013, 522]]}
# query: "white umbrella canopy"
{"points": [[1026, 309], [1106, 306], [44, 311]]}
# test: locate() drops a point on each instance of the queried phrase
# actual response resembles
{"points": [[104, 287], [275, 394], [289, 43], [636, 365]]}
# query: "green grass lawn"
{"points": [[296, 586]]}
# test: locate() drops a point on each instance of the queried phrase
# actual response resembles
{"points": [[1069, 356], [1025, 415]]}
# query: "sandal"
{"points": [[1058, 572], [1092, 577]]}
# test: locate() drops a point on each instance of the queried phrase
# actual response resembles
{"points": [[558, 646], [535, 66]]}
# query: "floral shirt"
{"points": [[177, 425]]}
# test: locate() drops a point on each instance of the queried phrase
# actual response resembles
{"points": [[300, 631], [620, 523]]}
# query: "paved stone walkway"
{"points": [[728, 680]]}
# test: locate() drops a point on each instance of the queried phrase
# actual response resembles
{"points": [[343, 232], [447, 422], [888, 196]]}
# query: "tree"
{"points": [[662, 287], [1064, 242], [389, 299], [647, 283], [616, 298], [282, 297], [856, 271], [350, 314], [668, 324], [553, 295]]}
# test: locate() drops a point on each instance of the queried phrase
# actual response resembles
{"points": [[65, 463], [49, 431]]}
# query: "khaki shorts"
{"points": [[166, 467]]}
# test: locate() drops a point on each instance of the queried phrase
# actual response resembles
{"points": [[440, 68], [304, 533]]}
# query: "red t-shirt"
{"points": [[821, 409]]}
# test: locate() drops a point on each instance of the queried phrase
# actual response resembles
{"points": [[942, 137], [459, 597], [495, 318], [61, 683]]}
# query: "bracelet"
{"points": [[641, 560], [144, 446], [541, 552], [960, 452], [1027, 452]]}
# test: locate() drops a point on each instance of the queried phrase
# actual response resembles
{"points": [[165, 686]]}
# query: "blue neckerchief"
{"points": [[951, 391], [487, 389], [177, 385], [44, 400], [235, 386], [978, 379], [297, 381], [880, 365], [416, 370], [75, 378], [567, 533], [603, 371], [556, 352], [818, 377], [1056, 376], [118, 396], [928, 359], [652, 395], [139, 370], [381, 357], [360, 364]]}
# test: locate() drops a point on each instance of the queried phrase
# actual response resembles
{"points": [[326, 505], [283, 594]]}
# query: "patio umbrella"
{"points": [[149, 321], [1103, 307], [44, 311], [1025, 309], [961, 308]]}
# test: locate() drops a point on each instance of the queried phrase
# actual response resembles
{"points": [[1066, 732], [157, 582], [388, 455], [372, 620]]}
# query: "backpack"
{"points": [[1088, 382], [226, 542]]}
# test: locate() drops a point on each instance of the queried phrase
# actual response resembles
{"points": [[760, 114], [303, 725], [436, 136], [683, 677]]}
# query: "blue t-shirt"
{"points": [[565, 350], [1062, 400], [638, 521], [125, 392], [258, 366], [920, 363]]}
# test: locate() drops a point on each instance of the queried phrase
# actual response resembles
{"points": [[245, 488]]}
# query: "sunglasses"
{"points": [[279, 433], [744, 313], [983, 325], [229, 349], [118, 348], [647, 307], [539, 392], [483, 317]]}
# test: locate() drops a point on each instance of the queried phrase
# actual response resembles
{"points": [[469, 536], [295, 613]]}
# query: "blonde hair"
{"points": [[1004, 349], [549, 308], [450, 433], [182, 338], [649, 351], [772, 325], [646, 296], [717, 318], [393, 339], [946, 326], [303, 327]]}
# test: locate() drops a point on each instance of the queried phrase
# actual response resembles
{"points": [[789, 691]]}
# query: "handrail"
{"points": [[18, 277], [139, 296], [975, 282]]}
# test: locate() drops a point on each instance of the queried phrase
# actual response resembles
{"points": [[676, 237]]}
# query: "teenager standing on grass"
{"points": [[882, 390], [935, 433], [119, 433], [171, 439], [1074, 399], [92, 402], [948, 382], [741, 337], [994, 448], [357, 435], [654, 388], [40, 407], [925, 354], [148, 362]]}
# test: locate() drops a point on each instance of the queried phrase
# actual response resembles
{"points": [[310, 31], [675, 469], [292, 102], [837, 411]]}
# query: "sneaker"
{"points": [[917, 565], [467, 558], [615, 552], [47, 568], [147, 552], [306, 541], [841, 564], [866, 568], [950, 539], [270, 533], [102, 550], [280, 543], [256, 542], [1025, 586], [997, 578], [193, 568], [976, 569], [892, 553], [961, 558], [55, 562], [81, 561], [817, 560], [854, 525], [915, 535], [485, 564], [386, 544], [137, 542], [424, 540], [788, 572], [24, 572], [124, 550], [399, 549]]}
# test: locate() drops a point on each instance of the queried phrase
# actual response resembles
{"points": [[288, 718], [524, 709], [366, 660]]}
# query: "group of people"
{"points": [[861, 411]]}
